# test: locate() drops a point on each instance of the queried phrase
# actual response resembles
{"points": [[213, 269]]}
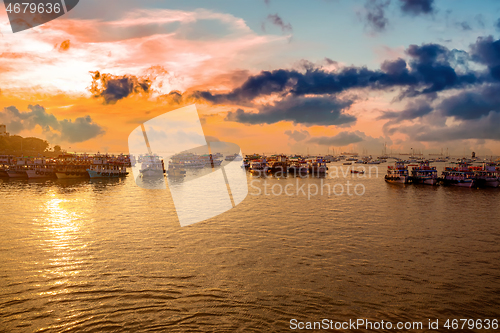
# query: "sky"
{"points": [[271, 76]]}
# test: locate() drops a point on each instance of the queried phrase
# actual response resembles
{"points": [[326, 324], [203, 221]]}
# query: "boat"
{"points": [[101, 167], [347, 163], [298, 167], [18, 167], [16, 172], [425, 174], [259, 166], [398, 173], [5, 162], [175, 171], [358, 171], [42, 171], [487, 176], [458, 176], [317, 166], [72, 166], [278, 163], [151, 166]]}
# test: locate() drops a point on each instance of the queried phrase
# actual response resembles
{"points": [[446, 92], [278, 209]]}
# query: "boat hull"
{"points": [[34, 174], [397, 180], [72, 175], [488, 182], [460, 183], [426, 181], [97, 174], [151, 173], [16, 174]]}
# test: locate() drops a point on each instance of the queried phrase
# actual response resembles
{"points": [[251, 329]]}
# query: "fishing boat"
{"points": [[425, 174], [358, 171], [398, 173]]}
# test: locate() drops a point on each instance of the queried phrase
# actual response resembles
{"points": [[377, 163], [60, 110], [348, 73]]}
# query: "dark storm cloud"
{"points": [[467, 105], [341, 139], [278, 21], [114, 88], [303, 110], [429, 70], [374, 15], [486, 51], [497, 24], [81, 129], [430, 65], [417, 7]]}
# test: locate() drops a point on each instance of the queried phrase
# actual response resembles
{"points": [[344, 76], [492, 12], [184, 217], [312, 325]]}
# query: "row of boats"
{"points": [[152, 165], [464, 174], [282, 163], [65, 166]]}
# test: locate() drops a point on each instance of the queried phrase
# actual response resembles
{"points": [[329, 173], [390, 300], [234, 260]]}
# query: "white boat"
{"points": [[151, 166], [398, 174]]}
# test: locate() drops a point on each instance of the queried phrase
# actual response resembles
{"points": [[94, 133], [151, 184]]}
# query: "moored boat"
{"points": [[424, 174], [458, 176], [398, 173], [317, 166], [101, 167], [258, 166], [487, 176]]}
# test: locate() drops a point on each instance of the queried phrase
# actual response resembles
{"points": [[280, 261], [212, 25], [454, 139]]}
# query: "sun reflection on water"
{"points": [[63, 238]]}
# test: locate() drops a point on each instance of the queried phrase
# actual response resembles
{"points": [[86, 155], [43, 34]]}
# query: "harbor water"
{"points": [[107, 255]]}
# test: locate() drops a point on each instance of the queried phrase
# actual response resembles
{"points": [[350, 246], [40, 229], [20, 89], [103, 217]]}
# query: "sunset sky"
{"points": [[271, 76]]}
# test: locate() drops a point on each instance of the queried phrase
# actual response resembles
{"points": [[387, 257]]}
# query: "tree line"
{"points": [[16, 144]]}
